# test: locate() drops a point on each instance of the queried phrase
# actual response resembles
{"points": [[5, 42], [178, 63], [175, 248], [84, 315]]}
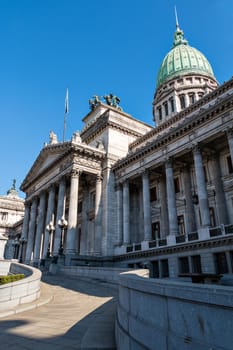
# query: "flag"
{"points": [[66, 102]]}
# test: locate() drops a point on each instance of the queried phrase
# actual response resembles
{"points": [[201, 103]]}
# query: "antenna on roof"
{"points": [[177, 23]]}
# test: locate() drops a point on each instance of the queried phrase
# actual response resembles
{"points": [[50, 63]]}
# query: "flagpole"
{"points": [[65, 115]]}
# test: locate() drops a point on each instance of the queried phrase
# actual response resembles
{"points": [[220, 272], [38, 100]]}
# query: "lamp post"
{"points": [[50, 228], [62, 223], [22, 242]]}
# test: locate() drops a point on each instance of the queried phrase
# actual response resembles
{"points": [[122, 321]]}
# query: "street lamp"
{"points": [[22, 242], [62, 223], [50, 228]]}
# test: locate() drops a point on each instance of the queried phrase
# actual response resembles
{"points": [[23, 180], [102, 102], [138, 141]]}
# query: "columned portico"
{"points": [[49, 219], [126, 238], [171, 200], [73, 212], [146, 206], [201, 188], [40, 227], [31, 231], [60, 215]]}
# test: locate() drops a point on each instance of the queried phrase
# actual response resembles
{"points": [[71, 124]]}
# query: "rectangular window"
{"points": [[160, 113], [181, 226], [80, 205], [153, 194], [166, 108], [182, 102], [177, 184], [196, 264], [229, 165], [155, 230], [205, 173], [164, 268], [172, 104], [3, 216], [221, 263], [154, 272], [191, 98], [184, 264], [212, 217]]}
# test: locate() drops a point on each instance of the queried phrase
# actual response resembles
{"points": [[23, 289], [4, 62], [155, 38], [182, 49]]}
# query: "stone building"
{"points": [[126, 193], [11, 220]]}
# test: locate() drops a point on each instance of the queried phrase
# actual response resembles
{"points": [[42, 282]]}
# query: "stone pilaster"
{"points": [[40, 227], [60, 215], [190, 212], [119, 198], [146, 206], [98, 215], [164, 223], [171, 201], [201, 188], [220, 200], [126, 237], [73, 213], [31, 231], [49, 219]]}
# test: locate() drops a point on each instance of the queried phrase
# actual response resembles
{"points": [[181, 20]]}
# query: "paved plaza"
{"points": [[75, 314]]}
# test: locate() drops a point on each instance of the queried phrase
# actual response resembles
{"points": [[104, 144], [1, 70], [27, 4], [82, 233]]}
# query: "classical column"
{"points": [[171, 200], [230, 142], [190, 212], [164, 223], [73, 213], [126, 238], [31, 231], [59, 216], [98, 215], [49, 219], [201, 188], [25, 227], [119, 203], [146, 206], [215, 175], [40, 227]]}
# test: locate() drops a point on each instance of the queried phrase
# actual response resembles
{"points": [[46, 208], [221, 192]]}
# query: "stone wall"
{"points": [[166, 314], [22, 291]]}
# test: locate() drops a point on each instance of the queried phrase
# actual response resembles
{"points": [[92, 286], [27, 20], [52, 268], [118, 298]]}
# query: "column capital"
{"points": [[229, 132], [75, 173], [196, 148], [169, 163], [99, 177]]}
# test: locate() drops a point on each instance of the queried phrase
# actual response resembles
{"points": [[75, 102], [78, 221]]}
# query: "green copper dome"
{"points": [[183, 59]]}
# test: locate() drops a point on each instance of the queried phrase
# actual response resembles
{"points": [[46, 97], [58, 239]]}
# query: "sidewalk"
{"points": [[70, 314]]}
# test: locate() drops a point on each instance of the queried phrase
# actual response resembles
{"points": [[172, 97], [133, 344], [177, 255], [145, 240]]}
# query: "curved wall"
{"points": [[165, 314], [22, 291]]}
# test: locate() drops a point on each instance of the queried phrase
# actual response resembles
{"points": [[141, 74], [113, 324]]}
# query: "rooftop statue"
{"points": [[52, 137], [113, 101], [94, 102]]}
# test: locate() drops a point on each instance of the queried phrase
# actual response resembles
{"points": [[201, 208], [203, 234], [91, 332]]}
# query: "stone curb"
{"points": [[45, 297]]}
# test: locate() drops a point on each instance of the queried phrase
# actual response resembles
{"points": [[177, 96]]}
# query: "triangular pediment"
{"points": [[48, 156]]}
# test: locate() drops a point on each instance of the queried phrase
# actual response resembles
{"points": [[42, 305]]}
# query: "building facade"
{"points": [[126, 193], [11, 221]]}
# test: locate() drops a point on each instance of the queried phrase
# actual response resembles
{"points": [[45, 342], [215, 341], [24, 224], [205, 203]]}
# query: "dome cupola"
{"points": [[185, 75]]}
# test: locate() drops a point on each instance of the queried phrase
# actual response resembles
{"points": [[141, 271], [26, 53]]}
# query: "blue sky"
{"points": [[91, 47]]}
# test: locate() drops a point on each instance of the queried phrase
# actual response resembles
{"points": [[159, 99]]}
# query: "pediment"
{"points": [[48, 156]]}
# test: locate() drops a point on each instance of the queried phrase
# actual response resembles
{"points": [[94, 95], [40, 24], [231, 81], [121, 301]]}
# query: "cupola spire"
{"points": [[179, 34], [177, 22]]}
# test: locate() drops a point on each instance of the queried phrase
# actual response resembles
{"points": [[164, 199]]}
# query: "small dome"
{"points": [[183, 59]]}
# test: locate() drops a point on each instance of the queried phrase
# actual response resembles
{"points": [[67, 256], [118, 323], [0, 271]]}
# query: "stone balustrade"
{"points": [[23, 291]]}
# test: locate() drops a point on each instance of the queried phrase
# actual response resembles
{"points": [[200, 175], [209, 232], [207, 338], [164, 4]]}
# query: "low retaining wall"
{"points": [[22, 291], [164, 314], [108, 274]]}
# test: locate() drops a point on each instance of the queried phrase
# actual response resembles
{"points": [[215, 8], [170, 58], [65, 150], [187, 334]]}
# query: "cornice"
{"points": [[179, 248], [176, 131]]}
